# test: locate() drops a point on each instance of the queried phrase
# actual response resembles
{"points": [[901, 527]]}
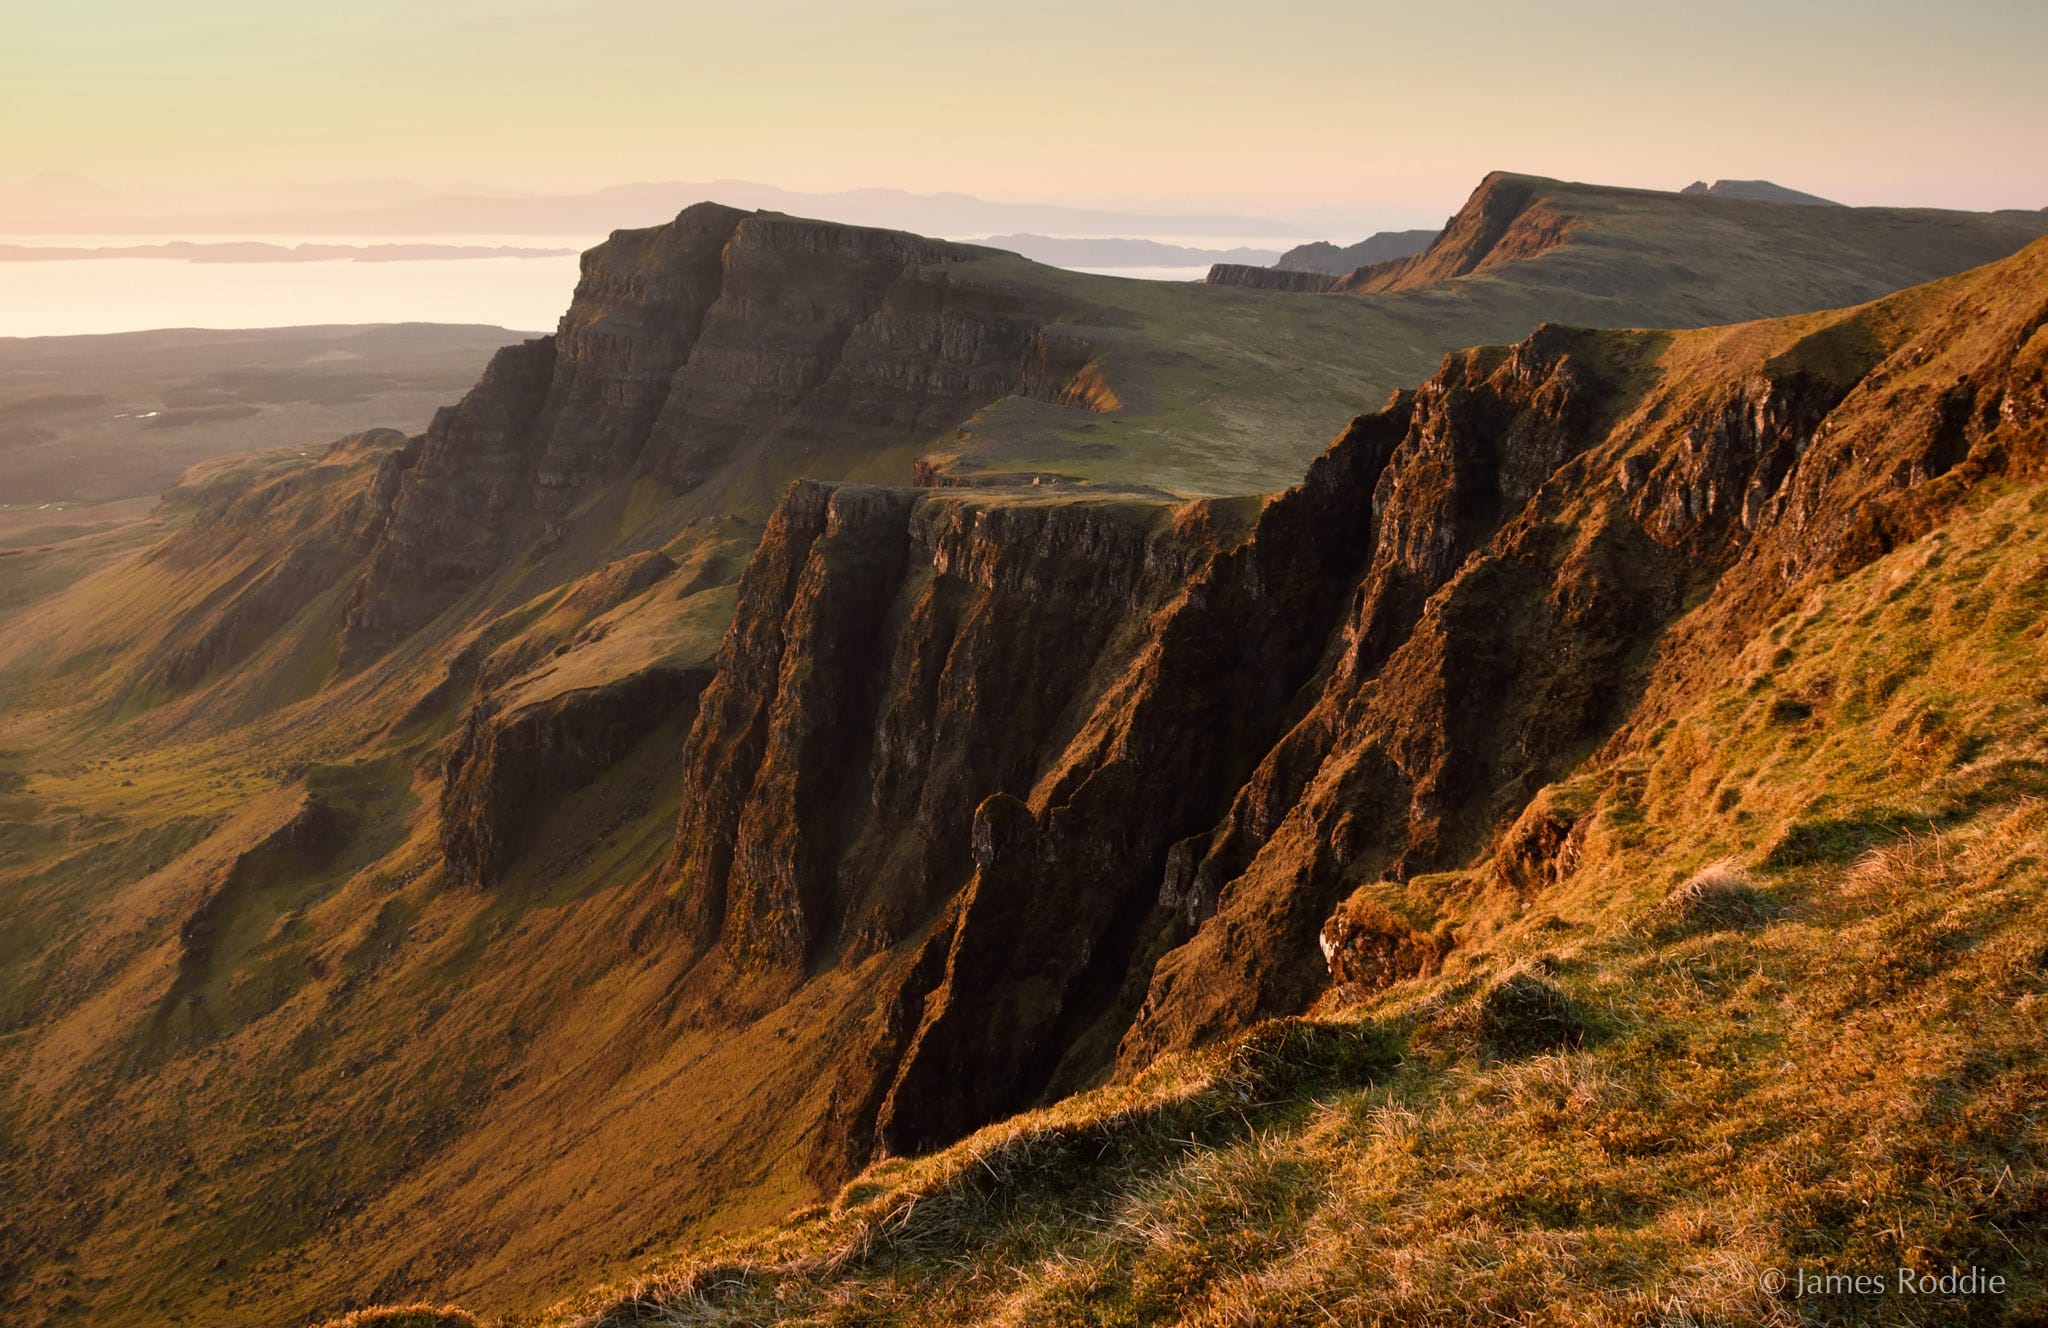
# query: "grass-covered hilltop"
{"points": [[868, 781]]}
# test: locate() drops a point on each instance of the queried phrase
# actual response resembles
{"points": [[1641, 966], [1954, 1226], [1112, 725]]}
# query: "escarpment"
{"points": [[1106, 769], [1728, 485], [1612, 257], [1505, 220], [1508, 218], [957, 632], [723, 337]]}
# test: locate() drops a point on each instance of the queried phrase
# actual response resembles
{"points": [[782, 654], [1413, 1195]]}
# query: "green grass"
{"points": [[1232, 391]]}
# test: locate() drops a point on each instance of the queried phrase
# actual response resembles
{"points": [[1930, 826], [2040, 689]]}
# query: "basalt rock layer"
{"points": [[686, 345], [1306, 281]]}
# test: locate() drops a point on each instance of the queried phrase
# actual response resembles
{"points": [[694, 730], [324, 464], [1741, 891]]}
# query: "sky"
{"points": [[1388, 112]]}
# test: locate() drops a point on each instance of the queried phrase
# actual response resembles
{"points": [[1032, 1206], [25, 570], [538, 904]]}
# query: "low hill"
{"points": [[1067, 251]]}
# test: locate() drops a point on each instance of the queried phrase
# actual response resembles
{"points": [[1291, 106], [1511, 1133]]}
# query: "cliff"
{"points": [[1306, 281], [1507, 219], [1109, 769], [1804, 911], [723, 337], [509, 766]]}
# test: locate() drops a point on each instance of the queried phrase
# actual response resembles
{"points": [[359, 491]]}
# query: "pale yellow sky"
{"points": [[1389, 110]]}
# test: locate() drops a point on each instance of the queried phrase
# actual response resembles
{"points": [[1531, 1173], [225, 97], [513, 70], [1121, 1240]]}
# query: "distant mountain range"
{"points": [[68, 204]]}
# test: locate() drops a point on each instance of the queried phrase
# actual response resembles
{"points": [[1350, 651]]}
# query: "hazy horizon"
{"points": [[1375, 115]]}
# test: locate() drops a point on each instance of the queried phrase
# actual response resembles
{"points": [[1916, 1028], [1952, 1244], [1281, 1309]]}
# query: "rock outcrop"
{"points": [[1507, 219], [719, 336], [1367, 946], [1298, 280], [506, 768]]}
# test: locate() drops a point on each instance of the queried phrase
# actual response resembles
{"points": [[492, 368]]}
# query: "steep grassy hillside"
{"points": [[435, 868], [1780, 1008]]}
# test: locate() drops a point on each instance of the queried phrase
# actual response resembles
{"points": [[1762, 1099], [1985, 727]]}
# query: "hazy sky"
{"points": [[1388, 111]]}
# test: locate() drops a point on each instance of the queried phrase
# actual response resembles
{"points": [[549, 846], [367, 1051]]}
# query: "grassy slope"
{"points": [[1840, 1073], [1223, 387], [185, 1149]]}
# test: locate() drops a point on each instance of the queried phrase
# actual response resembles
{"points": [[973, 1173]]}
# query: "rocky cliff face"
{"points": [[1104, 771], [687, 345], [1300, 281], [507, 767], [1508, 218]]}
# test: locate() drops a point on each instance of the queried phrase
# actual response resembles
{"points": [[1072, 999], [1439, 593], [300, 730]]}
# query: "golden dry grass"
{"points": [[1807, 963]]}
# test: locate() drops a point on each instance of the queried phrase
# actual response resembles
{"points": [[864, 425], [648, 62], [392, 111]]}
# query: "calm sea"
{"points": [[65, 297], [91, 295]]}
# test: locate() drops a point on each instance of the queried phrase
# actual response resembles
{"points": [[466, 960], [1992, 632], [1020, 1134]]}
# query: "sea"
{"points": [[71, 297]]}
